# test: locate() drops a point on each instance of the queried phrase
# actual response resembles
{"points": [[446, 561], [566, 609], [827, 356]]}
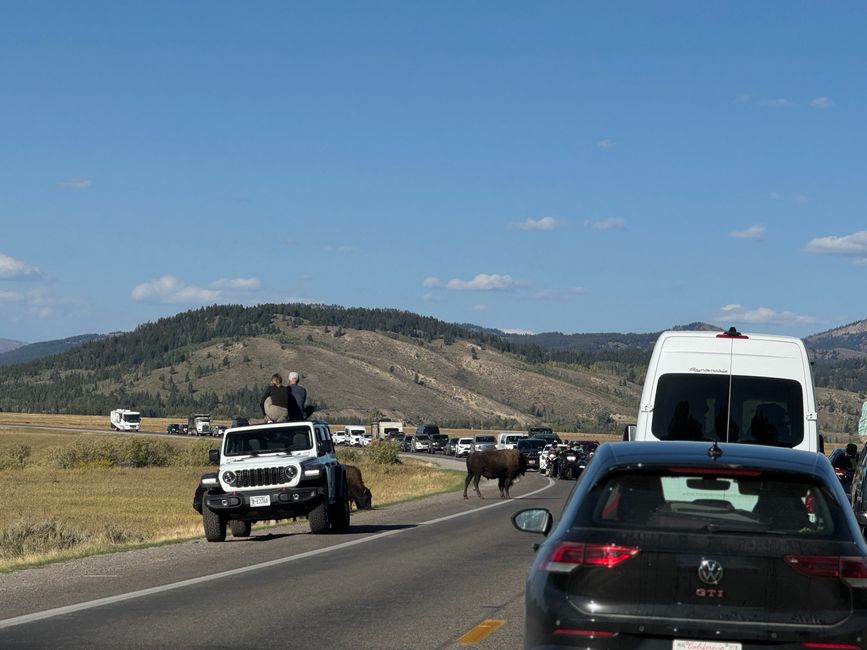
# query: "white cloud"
{"points": [[236, 284], [169, 290], [822, 103], [433, 297], [612, 223], [12, 269], [545, 223], [762, 316], [854, 245], [607, 143], [75, 184], [753, 232], [432, 283], [780, 102], [482, 282]]}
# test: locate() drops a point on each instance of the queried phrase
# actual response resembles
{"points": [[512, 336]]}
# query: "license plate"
{"points": [[258, 502], [683, 644]]}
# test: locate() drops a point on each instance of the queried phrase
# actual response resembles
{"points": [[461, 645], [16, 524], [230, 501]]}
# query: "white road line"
{"points": [[90, 604]]}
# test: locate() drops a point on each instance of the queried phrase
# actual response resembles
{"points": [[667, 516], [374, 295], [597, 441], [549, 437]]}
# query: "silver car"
{"points": [[484, 443], [463, 447]]}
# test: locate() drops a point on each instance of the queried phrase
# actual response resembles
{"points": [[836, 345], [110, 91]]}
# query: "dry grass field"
{"points": [[52, 513]]}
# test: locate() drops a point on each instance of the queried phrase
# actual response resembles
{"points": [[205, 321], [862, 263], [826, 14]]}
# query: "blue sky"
{"points": [[538, 166]]}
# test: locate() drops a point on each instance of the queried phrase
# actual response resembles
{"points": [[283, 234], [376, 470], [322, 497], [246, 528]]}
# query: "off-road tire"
{"points": [[214, 524], [318, 518], [240, 528]]}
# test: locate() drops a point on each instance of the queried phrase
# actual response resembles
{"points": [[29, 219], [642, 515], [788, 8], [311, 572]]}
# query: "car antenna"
{"points": [[714, 451]]}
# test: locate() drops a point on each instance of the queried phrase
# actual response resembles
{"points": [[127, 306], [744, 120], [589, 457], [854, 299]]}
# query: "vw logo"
{"points": [[710, 572]]}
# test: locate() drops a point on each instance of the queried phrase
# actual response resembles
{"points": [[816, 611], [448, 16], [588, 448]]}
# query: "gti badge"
{"points": [[710, 572]]}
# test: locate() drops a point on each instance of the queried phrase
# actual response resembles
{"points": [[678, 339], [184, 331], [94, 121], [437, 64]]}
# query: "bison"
{"points": [[358, 491], [503, 464]]}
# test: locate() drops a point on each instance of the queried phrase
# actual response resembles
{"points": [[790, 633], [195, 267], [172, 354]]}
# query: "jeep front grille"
{"points": [[261, 476]]}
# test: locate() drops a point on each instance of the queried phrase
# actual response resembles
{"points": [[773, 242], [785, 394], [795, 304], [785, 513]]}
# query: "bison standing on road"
{"points": [[503, 464], [358, 491]]}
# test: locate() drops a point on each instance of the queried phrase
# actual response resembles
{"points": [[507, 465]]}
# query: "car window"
{"points": [[271, 440], [741, 502], [762, 410]]}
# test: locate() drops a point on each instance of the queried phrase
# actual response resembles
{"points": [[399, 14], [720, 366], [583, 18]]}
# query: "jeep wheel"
{"points": [[318, 518], [214, 524], [241, 528]]}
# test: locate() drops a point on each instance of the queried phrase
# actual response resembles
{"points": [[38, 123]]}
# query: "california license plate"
{"points": [[258, 502], [683, 644]]}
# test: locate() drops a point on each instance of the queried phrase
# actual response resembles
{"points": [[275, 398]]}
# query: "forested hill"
{"points": [[357, 362]]}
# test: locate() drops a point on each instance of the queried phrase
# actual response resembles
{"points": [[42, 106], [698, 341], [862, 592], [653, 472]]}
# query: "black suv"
{"points": [[427, 429], [174, 429], [438, 443], [239, 422]]}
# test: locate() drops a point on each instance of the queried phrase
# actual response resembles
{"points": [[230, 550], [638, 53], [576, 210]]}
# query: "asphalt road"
{"points": [[440, 572]]}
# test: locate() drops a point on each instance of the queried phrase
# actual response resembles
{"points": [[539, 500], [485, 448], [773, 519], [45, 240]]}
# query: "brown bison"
{"points": [[358, 491], [506, 465]]}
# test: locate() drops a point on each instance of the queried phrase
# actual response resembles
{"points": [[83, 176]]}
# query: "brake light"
{"points": [[731, 333], [840, 646], [567, 556], [851, 570]]}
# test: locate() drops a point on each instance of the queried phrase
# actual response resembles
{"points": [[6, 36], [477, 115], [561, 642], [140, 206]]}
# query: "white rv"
{"points": [[730, 387], [125, 420]]}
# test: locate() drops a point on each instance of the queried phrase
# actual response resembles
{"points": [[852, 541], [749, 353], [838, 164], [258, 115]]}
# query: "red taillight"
{"points": [[569, 555], [840, 646], [851, 570], [840, 472]]}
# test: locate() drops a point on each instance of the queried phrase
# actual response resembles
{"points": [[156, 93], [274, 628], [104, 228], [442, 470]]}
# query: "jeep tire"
{"points": [[214, 524], [240, 528], [318, 518]]}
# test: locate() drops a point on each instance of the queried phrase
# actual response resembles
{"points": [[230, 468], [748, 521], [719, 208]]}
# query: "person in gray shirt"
{"points": [[298, 391]]}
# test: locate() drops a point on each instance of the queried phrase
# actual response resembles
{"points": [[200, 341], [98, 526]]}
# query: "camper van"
{"points": [[125, 420], [729, 387]]}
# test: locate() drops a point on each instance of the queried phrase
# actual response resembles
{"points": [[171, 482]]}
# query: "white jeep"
{"points": [[273, 472]]}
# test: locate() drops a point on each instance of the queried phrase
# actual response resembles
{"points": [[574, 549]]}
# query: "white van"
{"points": [[508, 439], [730, 387]]}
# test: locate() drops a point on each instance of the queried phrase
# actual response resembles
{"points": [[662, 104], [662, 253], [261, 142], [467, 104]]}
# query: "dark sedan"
{"points": [[531, 448], [682, 545]]}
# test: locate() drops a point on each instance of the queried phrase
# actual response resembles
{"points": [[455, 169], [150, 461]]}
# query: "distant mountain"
{"points": [[851, 337], [601, 341], [7, 345], [29, 352]]}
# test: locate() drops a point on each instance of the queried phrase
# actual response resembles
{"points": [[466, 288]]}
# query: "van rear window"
{"points": [[763, 410]]}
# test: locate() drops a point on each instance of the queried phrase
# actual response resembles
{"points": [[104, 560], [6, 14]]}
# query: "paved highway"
{"points": [[439, 572]]}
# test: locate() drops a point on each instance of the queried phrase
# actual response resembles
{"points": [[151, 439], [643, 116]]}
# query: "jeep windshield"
{"points": [[272, 440], [758, 410]]}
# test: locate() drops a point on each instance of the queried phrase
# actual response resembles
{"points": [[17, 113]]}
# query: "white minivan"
{"points": [[730, 387]]}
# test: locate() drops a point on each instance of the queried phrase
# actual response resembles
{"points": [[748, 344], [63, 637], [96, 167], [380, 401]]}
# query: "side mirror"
{"points": [[533, 520], [214, 456]]}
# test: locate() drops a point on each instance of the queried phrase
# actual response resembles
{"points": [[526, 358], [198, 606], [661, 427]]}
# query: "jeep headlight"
{"points": [[229, 477], [290, 472]]}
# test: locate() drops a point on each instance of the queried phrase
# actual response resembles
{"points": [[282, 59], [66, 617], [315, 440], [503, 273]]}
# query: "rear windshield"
{"points": [[762, 410], [749, 502], [530, 444], [485, 439], [268, 441]]}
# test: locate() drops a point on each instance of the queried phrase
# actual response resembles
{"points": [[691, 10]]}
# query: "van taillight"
{"points": [[851, 570], [569, 555]]}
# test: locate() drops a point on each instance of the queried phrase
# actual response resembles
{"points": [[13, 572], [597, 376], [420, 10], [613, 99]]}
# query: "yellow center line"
{"points": [[481, 631]]}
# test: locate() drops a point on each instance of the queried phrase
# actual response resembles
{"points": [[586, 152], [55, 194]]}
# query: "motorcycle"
{"points": [[571, 463]]}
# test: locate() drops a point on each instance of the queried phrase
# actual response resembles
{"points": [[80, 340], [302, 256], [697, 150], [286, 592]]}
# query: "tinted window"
{"points": [[763, 410], [751, 503], [530, 444]]}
